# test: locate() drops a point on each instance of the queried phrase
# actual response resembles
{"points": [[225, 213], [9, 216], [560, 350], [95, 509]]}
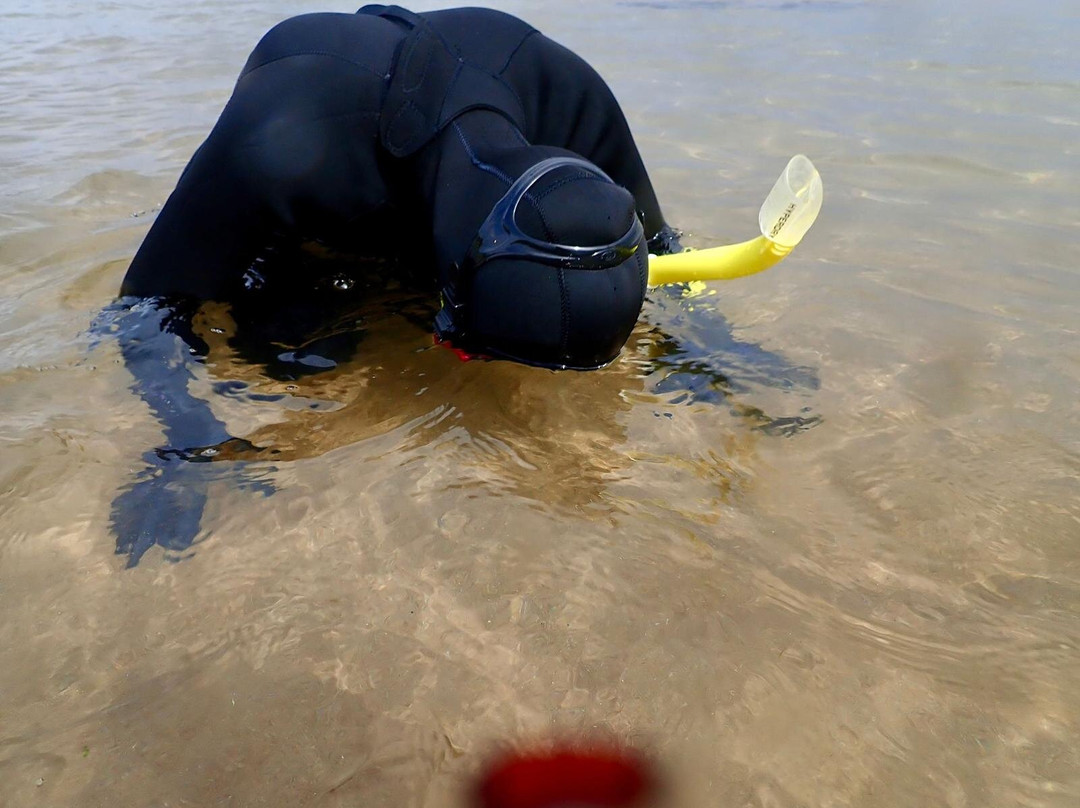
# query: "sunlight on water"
{"points": [[811, 540]]}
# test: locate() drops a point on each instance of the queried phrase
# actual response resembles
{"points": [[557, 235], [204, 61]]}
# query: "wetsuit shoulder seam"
{"points": [[475, 160], [513, 52], [500, 77], [328, 54], [502, 175]]}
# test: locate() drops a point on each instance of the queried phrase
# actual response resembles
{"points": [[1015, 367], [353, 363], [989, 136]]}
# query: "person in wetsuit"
{"points": [[495, 159], [491, 157], [503, 153]]}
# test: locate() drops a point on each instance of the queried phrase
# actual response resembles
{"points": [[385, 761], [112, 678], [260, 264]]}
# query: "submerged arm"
{"points": [[164, 504]]}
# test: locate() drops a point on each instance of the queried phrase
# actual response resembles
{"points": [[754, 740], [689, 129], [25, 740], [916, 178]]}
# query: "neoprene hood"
{"points": [[556, 275]]}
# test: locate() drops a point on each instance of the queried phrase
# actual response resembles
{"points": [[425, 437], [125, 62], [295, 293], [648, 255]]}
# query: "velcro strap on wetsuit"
{"points": [[431, 84]]}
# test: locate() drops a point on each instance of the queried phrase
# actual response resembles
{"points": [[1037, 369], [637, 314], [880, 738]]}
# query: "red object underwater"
{"points": [[461, 354], [565, 778]]}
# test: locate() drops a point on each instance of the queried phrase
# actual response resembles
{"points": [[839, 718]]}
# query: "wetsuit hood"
{"points": [[556, 273]]}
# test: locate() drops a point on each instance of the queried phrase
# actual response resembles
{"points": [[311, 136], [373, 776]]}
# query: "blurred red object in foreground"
{"points": [[582, 778]]}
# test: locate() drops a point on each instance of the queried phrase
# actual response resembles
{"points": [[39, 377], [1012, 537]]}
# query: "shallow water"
{"points": [[812, 541]]}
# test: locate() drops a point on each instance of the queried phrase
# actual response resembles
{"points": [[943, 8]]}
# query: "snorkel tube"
{"points": [[785, 216]]}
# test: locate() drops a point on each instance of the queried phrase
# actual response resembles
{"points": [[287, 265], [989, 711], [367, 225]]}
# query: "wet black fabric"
{"points": [[438, 75], [356, 130], [550, 311]]}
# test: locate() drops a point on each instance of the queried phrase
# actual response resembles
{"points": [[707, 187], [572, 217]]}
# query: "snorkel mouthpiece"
{"points": [[793, 203], [787, 213]]}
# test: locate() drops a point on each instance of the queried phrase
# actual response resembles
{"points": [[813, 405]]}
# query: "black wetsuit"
{"points": [[362, 131], [344, 128], [383, 128]]}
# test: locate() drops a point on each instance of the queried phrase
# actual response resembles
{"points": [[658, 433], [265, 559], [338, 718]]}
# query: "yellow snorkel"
{"points": [[786, 215]]}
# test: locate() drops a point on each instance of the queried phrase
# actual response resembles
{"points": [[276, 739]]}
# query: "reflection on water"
{"points": [[811, 540], [346, 360], [706, 362]]}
